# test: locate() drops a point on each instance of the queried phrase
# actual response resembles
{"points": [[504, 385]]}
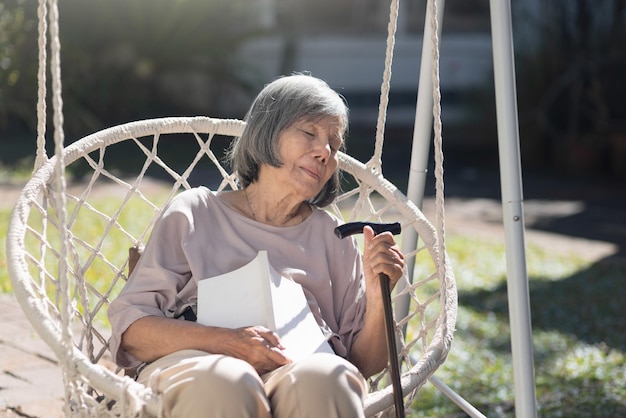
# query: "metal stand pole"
{"points": [[511, 184], [420, 153]]}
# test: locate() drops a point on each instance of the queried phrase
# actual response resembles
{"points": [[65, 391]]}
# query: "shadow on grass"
{"points": [[589, 305]]}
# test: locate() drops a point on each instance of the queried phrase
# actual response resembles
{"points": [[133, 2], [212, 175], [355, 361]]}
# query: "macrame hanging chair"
{"points": [[63, 242]]}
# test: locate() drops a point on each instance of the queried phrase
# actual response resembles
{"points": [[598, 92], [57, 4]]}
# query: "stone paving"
{"points": [[31, 383]]}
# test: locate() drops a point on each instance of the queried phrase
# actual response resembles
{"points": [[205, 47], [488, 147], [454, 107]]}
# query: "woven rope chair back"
{"points": [[108, 212]]}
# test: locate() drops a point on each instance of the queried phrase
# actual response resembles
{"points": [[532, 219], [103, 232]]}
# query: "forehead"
{"points": [[332, 122]]}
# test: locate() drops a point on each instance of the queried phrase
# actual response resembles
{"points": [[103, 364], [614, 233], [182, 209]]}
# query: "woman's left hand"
{"points": [[381, 255]]}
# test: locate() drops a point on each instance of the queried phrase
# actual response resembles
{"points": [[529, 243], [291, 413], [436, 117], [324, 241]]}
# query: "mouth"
{"points": [[312, 173]]}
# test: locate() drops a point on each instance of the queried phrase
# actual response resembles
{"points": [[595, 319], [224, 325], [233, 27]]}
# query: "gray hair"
{"points": [[280, 104]]}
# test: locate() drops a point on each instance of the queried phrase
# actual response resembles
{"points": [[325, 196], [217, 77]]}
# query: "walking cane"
{"points": [[352, 228]]}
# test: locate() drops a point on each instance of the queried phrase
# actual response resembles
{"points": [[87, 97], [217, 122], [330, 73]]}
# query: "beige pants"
{"points": [[196, 384]]}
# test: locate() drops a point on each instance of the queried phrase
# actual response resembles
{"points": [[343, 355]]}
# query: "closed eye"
{"points": [[335, 145]]}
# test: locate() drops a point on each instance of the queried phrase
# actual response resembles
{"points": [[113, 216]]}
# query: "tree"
{"points": [[124, 60], [18, 64], [571, 83]]}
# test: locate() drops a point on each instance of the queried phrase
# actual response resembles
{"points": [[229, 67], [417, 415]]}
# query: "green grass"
{"points": [[579, 336], [17, 172], [5, 285], [579, 331], [99, 270]]}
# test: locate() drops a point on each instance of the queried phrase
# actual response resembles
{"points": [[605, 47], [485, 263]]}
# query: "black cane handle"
{"points": [[352, 228]]}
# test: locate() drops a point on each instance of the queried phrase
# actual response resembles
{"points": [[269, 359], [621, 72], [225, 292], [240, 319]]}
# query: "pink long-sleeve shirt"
{"points": [[198, 236]]}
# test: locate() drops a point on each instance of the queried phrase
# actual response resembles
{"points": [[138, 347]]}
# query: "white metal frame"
{"points": [[512, 197]]}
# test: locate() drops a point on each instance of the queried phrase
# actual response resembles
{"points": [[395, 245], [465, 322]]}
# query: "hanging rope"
{"points": [[375, 163], [64, 294], [438, 141], [41, 157]]}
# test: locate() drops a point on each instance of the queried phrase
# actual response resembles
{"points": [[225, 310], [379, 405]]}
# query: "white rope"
{"points": [[438, 141], [41, 158], [66, 307], [375, 163], [59, 168], [41, 89]]}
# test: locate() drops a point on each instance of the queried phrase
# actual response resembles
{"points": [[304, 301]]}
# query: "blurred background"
{"points": [[126, 60]]}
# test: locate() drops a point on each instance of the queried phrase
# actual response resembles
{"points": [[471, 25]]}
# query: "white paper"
{"points": [[256, 294]]}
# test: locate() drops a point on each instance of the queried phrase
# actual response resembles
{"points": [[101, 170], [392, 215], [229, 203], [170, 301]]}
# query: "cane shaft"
{"points": [[391, 346]]}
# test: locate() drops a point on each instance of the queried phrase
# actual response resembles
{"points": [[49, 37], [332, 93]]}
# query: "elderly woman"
{"points": [[287, 164]]}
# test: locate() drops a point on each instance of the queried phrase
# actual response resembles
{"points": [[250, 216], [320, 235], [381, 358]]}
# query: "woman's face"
{"points": [[308, 150]]}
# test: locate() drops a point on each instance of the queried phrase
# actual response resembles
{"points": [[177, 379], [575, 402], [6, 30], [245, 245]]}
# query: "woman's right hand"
{"points": [[258, 346]]}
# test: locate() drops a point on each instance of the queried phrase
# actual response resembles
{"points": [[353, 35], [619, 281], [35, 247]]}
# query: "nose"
{"points": [[323, 150]]}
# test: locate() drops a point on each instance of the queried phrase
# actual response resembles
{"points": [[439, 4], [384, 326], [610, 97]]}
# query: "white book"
{"points": [[256, 294]]}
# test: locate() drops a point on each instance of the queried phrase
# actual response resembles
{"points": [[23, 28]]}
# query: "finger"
{"points": [[271, 337], [383, 252], [385, 237], [397, 252], [368, 235], [386, 261], [278, 356], [394, 272]]}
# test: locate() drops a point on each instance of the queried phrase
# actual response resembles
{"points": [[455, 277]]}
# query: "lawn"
{"points": [[579, 335], [579, 332]]}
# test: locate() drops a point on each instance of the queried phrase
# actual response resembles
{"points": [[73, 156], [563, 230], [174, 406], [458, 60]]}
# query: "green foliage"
{"points": [[5, 284], [18, 59], [98, 271], [124, 60], [18, 172], [136, 59], [571, 85]]}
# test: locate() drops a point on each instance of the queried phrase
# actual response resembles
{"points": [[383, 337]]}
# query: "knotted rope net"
{"points": [[66, 243]]}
